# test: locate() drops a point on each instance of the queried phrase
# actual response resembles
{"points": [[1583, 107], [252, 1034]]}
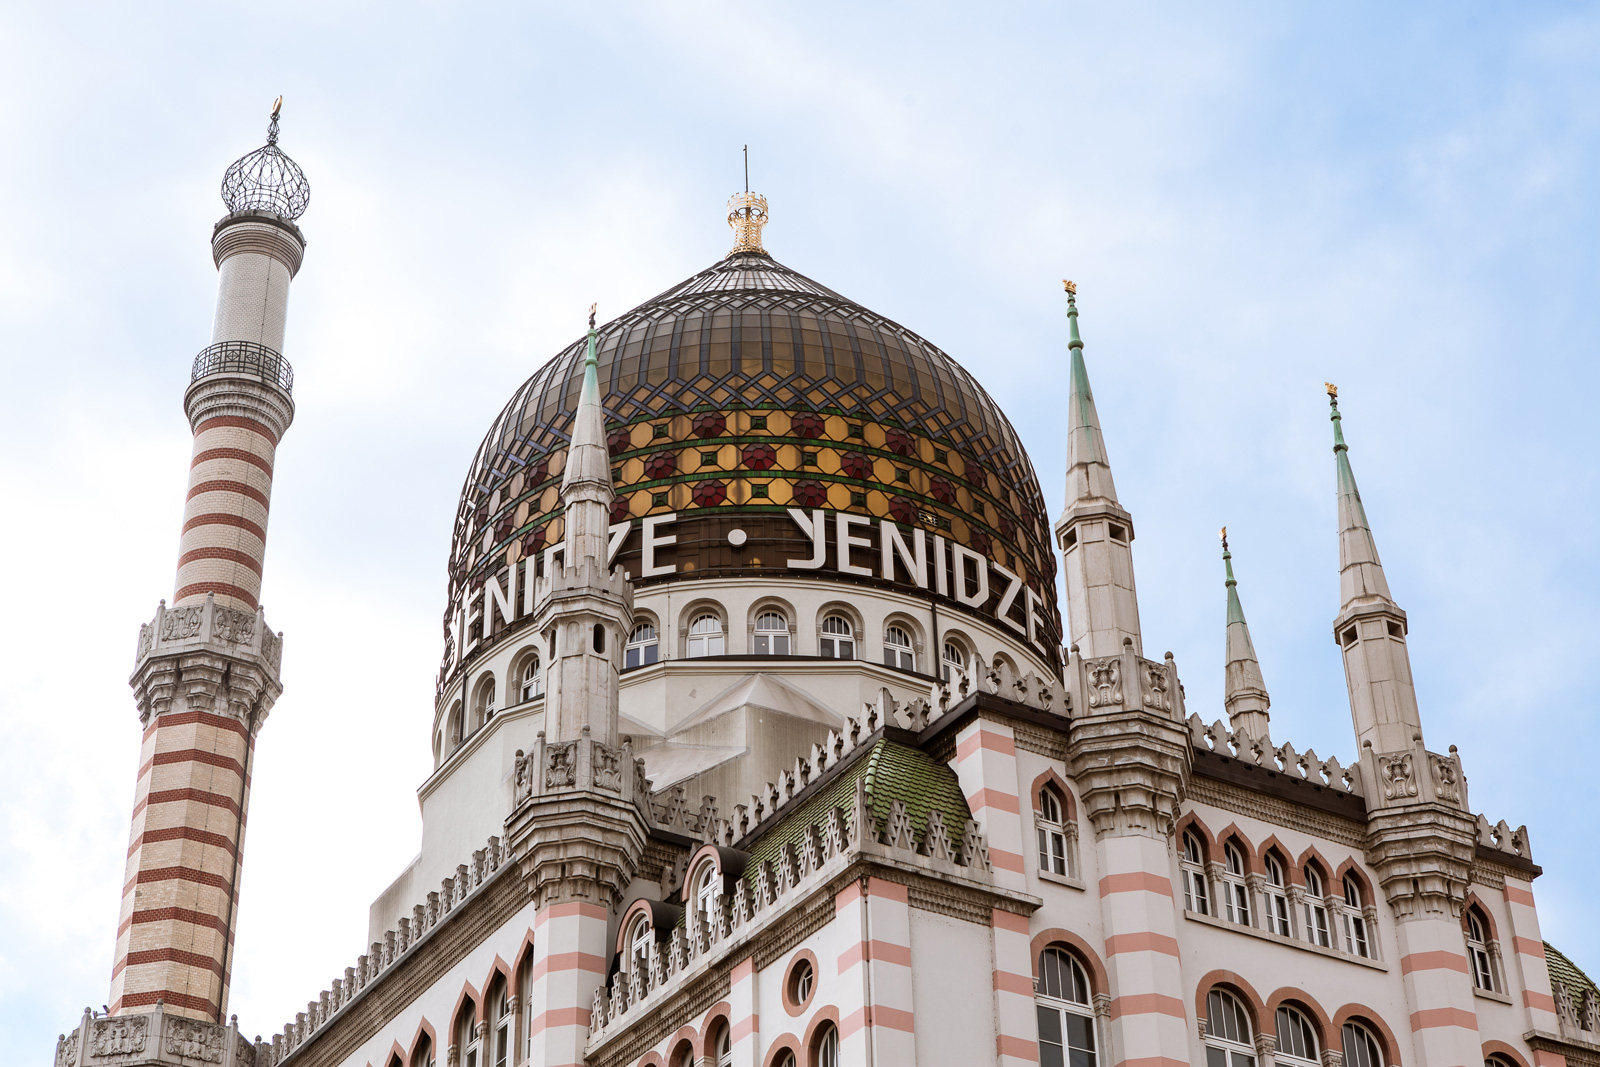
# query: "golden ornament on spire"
{"points": [[1070, 287], [1333, 390], [747, 214]]}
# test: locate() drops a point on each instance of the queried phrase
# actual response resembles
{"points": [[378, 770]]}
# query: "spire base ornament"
{"points": [[747, 215]]}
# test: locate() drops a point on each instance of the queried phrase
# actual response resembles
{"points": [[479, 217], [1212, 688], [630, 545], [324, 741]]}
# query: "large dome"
{"points": [[745, 391]]}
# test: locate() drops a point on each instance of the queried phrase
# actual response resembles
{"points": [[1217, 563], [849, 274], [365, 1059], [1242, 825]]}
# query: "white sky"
{"points": [[1252, 199]]}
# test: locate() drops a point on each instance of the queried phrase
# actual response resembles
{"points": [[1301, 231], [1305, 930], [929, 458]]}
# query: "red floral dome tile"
{"points": [[503, 528], [810, 493], [975, 471], [710, 424], [758, 457], [534, 541], [1008, 528], [619, 509], [897, 441], [708, 494], [941, 490], [808, 424], [979, 541], [661, 465], [904, 511], [856, 465], [619, 440]]}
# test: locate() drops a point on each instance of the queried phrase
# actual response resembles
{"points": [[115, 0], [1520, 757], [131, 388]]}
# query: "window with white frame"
{"points": [[826, 1049], [1229, 1040], [1478, 951], [1196, 896], [954, 662], [785, 1059], [1050, 825], [772, 634], [1360, 1047], [532, 678], [897, 650], [1276, 899], [1297, 1041], [640, 935], [1235, 893], [705, 636], [643, 647], [838, 640], [1062, 1004], [457, 729], [724, 1045], [525, 1031], [467, 1038], [707, 890], [1316, 908], [500, 1025], [1353, 920], [485, 708]]}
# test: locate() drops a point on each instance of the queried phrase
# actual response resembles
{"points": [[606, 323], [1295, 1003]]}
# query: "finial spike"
{"points": [[1244, 690], [1224, 536], [592, 309]]}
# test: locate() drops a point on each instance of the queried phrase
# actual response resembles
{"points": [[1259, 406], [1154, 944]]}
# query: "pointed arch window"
{"points": [[532, 678], [500, 1018], [1229, 1040], [1062, 1004], [1297, 1040], [1196, 895], [1360, 1047], [468, 1039], [1051, 827], [644, 647], [1316, 908], [1235, 892], [838, 640], [772, 634], [1478, 952], [1275, 898], [423, 1055], [705, 636], [1353, 920]]}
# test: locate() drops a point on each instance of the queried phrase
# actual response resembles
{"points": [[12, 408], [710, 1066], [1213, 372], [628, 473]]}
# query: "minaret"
{"points": [[207, 668], [1094, 532], [1370, 627], [1244, 690], [580, 812]]}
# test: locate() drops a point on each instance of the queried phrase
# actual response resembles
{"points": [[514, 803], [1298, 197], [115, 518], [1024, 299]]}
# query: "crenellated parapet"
{"points": [[1283, 759], [207, 657]]}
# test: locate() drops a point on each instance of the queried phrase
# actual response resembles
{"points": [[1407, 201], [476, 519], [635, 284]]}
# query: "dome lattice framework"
{"points": [[746, 390]]}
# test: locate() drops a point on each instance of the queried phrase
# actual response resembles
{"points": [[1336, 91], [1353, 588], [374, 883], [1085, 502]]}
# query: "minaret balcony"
{"points": [[247, 358]]}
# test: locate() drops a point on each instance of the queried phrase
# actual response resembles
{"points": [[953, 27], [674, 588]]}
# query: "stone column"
{"points": [[986, 767], [744, 1025], [874, 975], [1016, 1024], [571, 952], [1523, 936]]}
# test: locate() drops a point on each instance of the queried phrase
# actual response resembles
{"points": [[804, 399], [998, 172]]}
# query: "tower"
{"points": [[206, 673], [1244, 690]]}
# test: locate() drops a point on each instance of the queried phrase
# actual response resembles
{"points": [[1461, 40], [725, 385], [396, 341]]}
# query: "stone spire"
{"points": [[1094, 532], [1245, 692], [1370, 628], [585, 609]]}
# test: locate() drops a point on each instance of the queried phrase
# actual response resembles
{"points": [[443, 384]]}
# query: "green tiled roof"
{"points": [[1567, 973], [892, 772]]}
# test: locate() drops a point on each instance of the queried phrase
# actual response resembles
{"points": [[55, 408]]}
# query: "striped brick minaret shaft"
{"points": [[207, 669]]}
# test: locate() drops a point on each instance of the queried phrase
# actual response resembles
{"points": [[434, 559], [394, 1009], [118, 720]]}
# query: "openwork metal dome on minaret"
{"points": [[267, 179]]}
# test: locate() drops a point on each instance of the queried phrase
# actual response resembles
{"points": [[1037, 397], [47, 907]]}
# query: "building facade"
{"points": [[760, 738]]}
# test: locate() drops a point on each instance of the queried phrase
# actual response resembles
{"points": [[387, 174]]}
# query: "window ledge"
{"points": [[1490, 994], [1290, 942], [1060, 879]]}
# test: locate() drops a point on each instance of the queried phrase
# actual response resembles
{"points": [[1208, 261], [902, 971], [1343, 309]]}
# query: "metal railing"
{"points": [[244, 357]]}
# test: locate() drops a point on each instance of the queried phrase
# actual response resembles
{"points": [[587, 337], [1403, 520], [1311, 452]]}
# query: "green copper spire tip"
{"points": [[1075, 342], [1338, 426], [1227, 559]]}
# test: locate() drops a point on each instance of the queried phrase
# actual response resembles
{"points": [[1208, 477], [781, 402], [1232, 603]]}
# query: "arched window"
{"points": [[954, 662], [483, 707], [525, 984], [683, 1055], [532, 678], [644, 647], [1478, 950], [1052, 832], [838, 638], [467, 1036], [707, 890], [456, 730], [1235, 893], [1352, 920], [422, 1055], [1066, 1020], [1277, 900], [1316, 908], [1196, 897], [1229, 1041], [772, 634], [499, 1051], [722, 1043], [1296, 1039], [897, 651], [640, 936], [785, 1059], [825, 1050], [1360, 1047], [705, 636]]}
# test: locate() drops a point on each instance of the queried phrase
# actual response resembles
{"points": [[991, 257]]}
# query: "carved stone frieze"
{"points": [[1398, 775], [1446, 779], [1105, 682], [561, 766], [194, 1039], [121, 1036]]}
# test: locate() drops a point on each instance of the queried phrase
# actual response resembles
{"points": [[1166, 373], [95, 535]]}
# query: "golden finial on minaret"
{"points": [[1224, 538], [1333, 390], [1070, 287], [277, 106], [747, 214]]}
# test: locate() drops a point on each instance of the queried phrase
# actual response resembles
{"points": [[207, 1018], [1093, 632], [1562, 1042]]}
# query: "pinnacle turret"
{"points": [[1361, 578], [586, 489], [1088, 468], [1245, 691]]}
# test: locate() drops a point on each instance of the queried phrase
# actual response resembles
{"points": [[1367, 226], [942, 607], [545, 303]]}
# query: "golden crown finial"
{"points": [[1224, 537], [747, 214], [1070, 286], [1333, 390]]}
